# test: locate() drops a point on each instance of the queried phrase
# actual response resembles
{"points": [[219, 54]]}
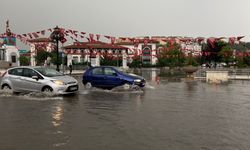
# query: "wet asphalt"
{"points": [[170, 113]]}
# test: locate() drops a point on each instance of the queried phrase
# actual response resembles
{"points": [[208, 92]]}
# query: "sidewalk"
{"points": [[74, 72]]}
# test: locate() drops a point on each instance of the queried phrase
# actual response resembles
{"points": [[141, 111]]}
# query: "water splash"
{"points": [[6, 93], [149, 87], [31, 96], [118, 89]]}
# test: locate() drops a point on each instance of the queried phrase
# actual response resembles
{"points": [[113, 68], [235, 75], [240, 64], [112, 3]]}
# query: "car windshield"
{"points": [[48, 72]]}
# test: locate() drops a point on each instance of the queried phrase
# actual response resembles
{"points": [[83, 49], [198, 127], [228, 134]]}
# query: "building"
{"points": [[91, 52], [9, 53], [145, 48], [39, 44]]}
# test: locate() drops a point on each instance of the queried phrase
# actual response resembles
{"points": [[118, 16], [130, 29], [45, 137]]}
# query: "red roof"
{"points": [[94, 45], [150, 41], [39, 40]]}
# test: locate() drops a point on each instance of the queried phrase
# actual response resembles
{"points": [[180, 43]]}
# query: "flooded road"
{"points": [[171, 114]]}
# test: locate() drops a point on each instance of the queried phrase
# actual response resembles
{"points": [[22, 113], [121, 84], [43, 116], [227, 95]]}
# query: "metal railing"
{"points": [[232, 72]]}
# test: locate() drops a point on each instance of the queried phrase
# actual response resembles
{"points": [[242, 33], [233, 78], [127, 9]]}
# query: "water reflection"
{"points": [[57, 114]]}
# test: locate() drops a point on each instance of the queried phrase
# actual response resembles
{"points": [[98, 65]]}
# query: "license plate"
{"points": [[73, 88]]}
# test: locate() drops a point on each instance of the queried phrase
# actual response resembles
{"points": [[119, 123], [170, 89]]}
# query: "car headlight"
{"points": [[58, 82], [137, 80]]}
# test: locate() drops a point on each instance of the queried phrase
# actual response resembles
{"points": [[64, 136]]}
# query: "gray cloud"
{"points": [[131, 17]]}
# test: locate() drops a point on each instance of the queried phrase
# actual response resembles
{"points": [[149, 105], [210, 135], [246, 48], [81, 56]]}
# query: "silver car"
{"points": [[36, 79]]}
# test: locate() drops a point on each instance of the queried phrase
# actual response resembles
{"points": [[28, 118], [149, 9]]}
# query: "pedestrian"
{"points": [[70, 69]]}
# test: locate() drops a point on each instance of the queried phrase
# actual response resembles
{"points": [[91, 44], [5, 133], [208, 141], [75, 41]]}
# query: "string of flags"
{"points": [[90, 37], [78, 36]]}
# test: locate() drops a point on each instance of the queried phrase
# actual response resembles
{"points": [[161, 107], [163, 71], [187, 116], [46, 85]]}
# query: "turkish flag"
{"points": [[240, 37], [112, 40], [43, 32], [98, 37], [91, 36], [211, 41], [232, 40]]}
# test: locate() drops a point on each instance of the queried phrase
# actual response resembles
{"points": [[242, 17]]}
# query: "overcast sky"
{"points": [[130, 17]]}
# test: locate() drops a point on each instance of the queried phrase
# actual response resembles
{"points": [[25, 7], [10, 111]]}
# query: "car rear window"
{"points": [[16, 71], [109, 72]]}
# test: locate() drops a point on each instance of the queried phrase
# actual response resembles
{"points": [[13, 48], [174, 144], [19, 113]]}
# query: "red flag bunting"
{"points": [[112, 40], [43, 32], [91, 36], [232, 40], [211, 41], [63, 40], [108, 37], [146, 42], [30, 35], [98, 37], [123, 38], [240, 37], [35, 35]]}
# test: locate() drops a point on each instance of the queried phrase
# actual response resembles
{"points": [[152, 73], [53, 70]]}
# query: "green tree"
{"points": [[24, 60], [226, 54], [42, 56], [171, 55], [53, 56]]}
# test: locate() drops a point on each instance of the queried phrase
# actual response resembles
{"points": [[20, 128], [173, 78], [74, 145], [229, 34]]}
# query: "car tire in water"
{"points": [[6, 87], [47, 89], [127, 86], [135, 87], [88, 85]]}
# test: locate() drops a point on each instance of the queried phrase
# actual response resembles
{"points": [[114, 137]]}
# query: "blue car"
{"points": [[107, 77]]}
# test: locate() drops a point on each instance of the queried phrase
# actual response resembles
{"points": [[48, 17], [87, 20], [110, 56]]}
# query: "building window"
{"points": [[2, 54], [13, 59]]}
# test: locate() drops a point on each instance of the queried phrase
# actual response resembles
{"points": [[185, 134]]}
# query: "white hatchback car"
{"points": [[38, 79]]}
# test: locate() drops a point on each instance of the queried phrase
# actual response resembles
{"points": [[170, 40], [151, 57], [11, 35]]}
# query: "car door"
{"points": [[111, 77], [28, 83], [97, 77]]}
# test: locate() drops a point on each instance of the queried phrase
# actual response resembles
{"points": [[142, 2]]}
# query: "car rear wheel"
{"points": [[88, 85], [6, 87]]}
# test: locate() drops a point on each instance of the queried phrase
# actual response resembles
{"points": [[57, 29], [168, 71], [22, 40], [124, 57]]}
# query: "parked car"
{"points": [[35, 79], [107, 77]]}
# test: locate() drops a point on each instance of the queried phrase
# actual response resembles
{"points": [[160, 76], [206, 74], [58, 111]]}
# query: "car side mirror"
{"points": [[35, 77]]}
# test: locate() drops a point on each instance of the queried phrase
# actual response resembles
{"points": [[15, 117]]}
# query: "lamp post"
{"points": [[56, 36]]}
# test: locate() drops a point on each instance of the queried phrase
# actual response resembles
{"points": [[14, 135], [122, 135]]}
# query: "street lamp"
{"points": [[56, 36]]}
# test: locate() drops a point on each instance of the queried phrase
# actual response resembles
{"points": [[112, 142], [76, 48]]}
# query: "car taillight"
{"points": [[4, 74]]}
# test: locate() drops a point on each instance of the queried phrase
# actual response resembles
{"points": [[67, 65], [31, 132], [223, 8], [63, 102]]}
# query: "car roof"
{"points": [[104, 67], [30, 67]]}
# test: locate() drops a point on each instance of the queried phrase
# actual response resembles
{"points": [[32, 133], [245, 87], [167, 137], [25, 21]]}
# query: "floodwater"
{"points": [[174, 114]]}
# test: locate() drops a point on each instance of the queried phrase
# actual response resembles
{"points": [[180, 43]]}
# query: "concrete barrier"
{"points": [[217, 76]]}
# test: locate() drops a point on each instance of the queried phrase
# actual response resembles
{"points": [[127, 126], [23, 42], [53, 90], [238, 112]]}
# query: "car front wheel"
{"points": [[88, 85], [47, 89], [126, 86]]}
